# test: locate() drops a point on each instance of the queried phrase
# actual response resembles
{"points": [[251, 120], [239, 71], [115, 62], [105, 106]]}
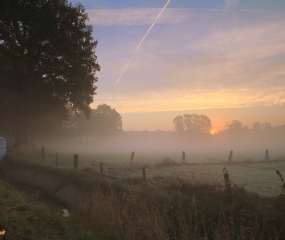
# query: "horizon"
{"points": [[224, 59]]}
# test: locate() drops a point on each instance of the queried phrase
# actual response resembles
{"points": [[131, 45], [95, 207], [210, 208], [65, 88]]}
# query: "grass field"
{"points": [[253, 172], [179, 200]]}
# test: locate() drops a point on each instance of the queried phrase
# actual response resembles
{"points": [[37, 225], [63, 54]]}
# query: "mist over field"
{"points": [[249, 145]]}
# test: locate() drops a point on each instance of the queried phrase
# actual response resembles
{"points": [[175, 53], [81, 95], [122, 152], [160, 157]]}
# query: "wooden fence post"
{"points": [[101, 168], [230, 156], [56, 159], [144, 175], [266, 155], [132, 157], [43, 153], [75, 161], [183, 157]]}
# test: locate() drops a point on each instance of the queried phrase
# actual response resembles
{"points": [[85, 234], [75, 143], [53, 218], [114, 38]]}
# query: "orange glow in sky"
{"points": [[223, 58]]}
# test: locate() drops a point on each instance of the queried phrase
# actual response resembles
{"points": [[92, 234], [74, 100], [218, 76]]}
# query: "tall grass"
{"points": [[24, 217], [195, 207], [175, 208]]}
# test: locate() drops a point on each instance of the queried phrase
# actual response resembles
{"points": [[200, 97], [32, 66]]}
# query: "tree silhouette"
{"points": [[235, 127], [106, 121], [179, 124], [197, 123], [192, 124], [47, 59]]}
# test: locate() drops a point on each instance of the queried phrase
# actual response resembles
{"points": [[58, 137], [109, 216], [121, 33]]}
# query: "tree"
{"points": [[236, 127], [47, 60], [179, 124], [106, 121], [256, 126], [103, 122], [192, 124], [196, 123]]}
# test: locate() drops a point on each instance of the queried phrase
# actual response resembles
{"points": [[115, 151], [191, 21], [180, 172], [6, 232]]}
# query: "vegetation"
{"points": [[47, 61], [104, 122], [192, 124], [23, 216], [173, 207]]}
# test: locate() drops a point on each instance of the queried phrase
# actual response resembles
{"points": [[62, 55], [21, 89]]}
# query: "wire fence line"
{"points": [[254, 175]]}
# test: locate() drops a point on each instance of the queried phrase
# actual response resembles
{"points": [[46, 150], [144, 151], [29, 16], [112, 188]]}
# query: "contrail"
{"points": [[140, 43]]}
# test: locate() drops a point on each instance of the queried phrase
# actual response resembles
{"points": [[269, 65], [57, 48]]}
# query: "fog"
{"points": [[248, 145]]}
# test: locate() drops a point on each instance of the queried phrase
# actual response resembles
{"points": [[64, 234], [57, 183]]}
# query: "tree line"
{"points": [[200, 125]]}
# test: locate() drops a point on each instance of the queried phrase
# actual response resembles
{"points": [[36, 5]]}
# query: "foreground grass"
{"points": [[24, 217], [173, 208], [162, 207]]}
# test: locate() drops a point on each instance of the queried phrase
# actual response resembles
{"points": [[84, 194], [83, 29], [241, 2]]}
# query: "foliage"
{"points": [[104, 122], [178, 207], [179, 124], [107, 121], [24, 217], [235, 127], [47, 59], [282, 182], [192, 124]]}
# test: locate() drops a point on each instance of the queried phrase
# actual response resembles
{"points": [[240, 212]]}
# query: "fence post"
{"points": [[56, 159], [132, 157], [75, 161], [230, 156], [266, 155], [90, 205], [144, 175], [101, 168], [43, 153], [183, 157]]}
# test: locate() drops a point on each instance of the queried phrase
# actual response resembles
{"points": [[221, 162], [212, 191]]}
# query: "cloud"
{"points": [[211, 59], [170, 100], [140, 16], [246, 56], [145, 16], [231, 4]]}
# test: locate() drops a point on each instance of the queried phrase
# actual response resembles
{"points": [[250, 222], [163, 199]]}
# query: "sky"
{"points": [[163, 58]]}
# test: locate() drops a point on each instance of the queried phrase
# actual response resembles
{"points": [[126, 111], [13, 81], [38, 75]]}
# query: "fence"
{"points": [[256, 176], [2, 147]]}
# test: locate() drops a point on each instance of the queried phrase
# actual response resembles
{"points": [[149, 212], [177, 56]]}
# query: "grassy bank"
{"points": [[23, 216], [169, 207]]}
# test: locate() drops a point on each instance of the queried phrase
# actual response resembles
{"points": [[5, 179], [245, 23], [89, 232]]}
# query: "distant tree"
{"points": [[256, 126], [267, 125], [236, 127], [261, 126], [192, 124], [179, 124], [83, 126], [106, 122], [196, 123], [47, 60]]}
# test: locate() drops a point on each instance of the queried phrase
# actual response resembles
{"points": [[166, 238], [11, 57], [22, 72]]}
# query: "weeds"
{"points": [[172, 208], [178, 209], [282, 182], [24, 217], [227, 180], [167, 161]]}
